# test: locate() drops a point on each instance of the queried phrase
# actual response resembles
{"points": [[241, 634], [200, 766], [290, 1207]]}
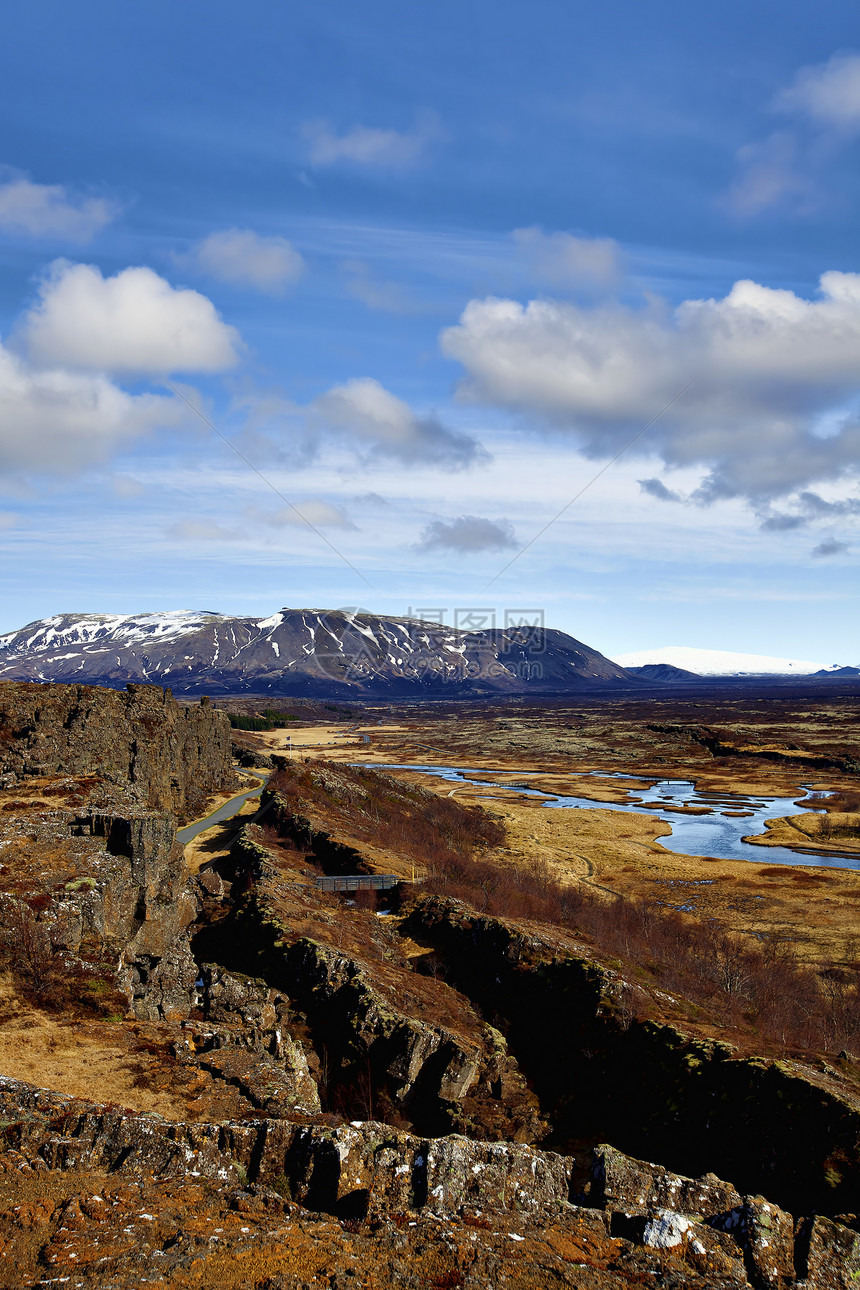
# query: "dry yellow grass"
{"points": [[77, 1058]]}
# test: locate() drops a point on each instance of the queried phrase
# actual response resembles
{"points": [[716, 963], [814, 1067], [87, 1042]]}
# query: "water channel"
{"points": [[718, 834]]}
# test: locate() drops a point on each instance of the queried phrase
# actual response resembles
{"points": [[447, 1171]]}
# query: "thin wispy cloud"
{"points": [[311, 510], [244, 258], [828, 94], [387, 297], [201, 531], [787, 169], [371, 146], [50, 210], [564, 259]]}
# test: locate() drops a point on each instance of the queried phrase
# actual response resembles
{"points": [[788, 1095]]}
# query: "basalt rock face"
{"points": [[779, 1127], [271, 1204], [439, 1077], [171, 756]]}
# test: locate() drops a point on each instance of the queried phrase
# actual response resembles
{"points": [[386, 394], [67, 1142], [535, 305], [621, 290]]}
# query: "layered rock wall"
{"points": [[173, 756]]}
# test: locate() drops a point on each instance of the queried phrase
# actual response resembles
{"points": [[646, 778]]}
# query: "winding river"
{"points": [[717, 834]]}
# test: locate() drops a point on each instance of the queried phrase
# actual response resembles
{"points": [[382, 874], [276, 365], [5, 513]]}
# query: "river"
{"points": [[717, 834]]}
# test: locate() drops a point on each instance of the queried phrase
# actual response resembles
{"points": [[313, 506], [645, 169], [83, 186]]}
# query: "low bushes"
{"points": [[746, 984], [377, 808], [763, 986]]}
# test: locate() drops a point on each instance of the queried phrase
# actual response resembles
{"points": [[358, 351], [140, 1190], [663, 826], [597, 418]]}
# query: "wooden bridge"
{"points": [[358, 882]]}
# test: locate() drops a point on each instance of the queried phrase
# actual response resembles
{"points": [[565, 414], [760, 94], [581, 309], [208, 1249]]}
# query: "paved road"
{"points": [[225, 812]]}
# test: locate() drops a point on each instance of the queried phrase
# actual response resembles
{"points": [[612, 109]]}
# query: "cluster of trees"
{"points": [[269, 719]]}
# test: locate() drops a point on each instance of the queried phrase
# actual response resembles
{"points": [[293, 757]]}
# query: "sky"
{"points": [[434, 309]]}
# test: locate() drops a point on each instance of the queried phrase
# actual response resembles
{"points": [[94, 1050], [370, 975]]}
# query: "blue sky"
{"points": [[429, 268]]}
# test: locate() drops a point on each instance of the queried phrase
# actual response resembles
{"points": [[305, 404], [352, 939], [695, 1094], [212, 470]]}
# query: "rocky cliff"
{"points": [[420, 1096], [94, 1197], [171, 756]]}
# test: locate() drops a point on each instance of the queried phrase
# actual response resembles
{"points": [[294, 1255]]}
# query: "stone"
{"points": [[622, 1183], [832, 1255], [765, 1233]]}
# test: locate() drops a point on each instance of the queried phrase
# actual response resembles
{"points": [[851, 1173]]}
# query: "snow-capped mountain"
{"points": [[716, 662], [300, 652]]}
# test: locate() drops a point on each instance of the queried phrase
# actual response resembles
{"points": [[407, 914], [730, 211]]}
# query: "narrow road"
{"points": [[224, 812]]}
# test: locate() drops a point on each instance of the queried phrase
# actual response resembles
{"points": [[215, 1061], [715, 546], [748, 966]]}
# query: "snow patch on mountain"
{"points": [[716, 662]]}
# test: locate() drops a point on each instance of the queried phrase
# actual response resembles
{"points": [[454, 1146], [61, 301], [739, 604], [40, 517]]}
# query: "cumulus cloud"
{"points": [[200, 531], [55, 422], [375, 420], [829, 547], [657, 489], [134, 322], [827, 93], [48, 210], [310, 511], [366, 145], [563, 259], [247, 259], [768, 365], [467, 535]]}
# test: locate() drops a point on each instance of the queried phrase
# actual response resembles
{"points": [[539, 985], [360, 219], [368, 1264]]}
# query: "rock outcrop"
{"points": [[171, 756], [777, 1126], [270, 1203]]}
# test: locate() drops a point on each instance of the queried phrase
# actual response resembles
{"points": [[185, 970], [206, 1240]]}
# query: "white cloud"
{"points": [[132, 322], [788, 168], [827, 93], [367, 146], [468, 534], [371, 417], [7, 519], [310, 511], [47, 210], [770, 173], [768, 365], [200, 531], [563, 259], [247, 259], [54, 422]]}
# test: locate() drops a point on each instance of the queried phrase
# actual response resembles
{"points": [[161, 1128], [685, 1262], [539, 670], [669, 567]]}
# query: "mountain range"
{"points": [[309, 652]]}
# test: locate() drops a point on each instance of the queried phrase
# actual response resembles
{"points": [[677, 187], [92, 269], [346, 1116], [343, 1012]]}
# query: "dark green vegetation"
{"points": [[269, 719]]}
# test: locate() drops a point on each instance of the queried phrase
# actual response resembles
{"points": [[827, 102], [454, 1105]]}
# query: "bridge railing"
{"points": [[358, 882]]}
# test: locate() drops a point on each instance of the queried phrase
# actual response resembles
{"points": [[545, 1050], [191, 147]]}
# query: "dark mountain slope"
{"points": [[301, 652]]}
